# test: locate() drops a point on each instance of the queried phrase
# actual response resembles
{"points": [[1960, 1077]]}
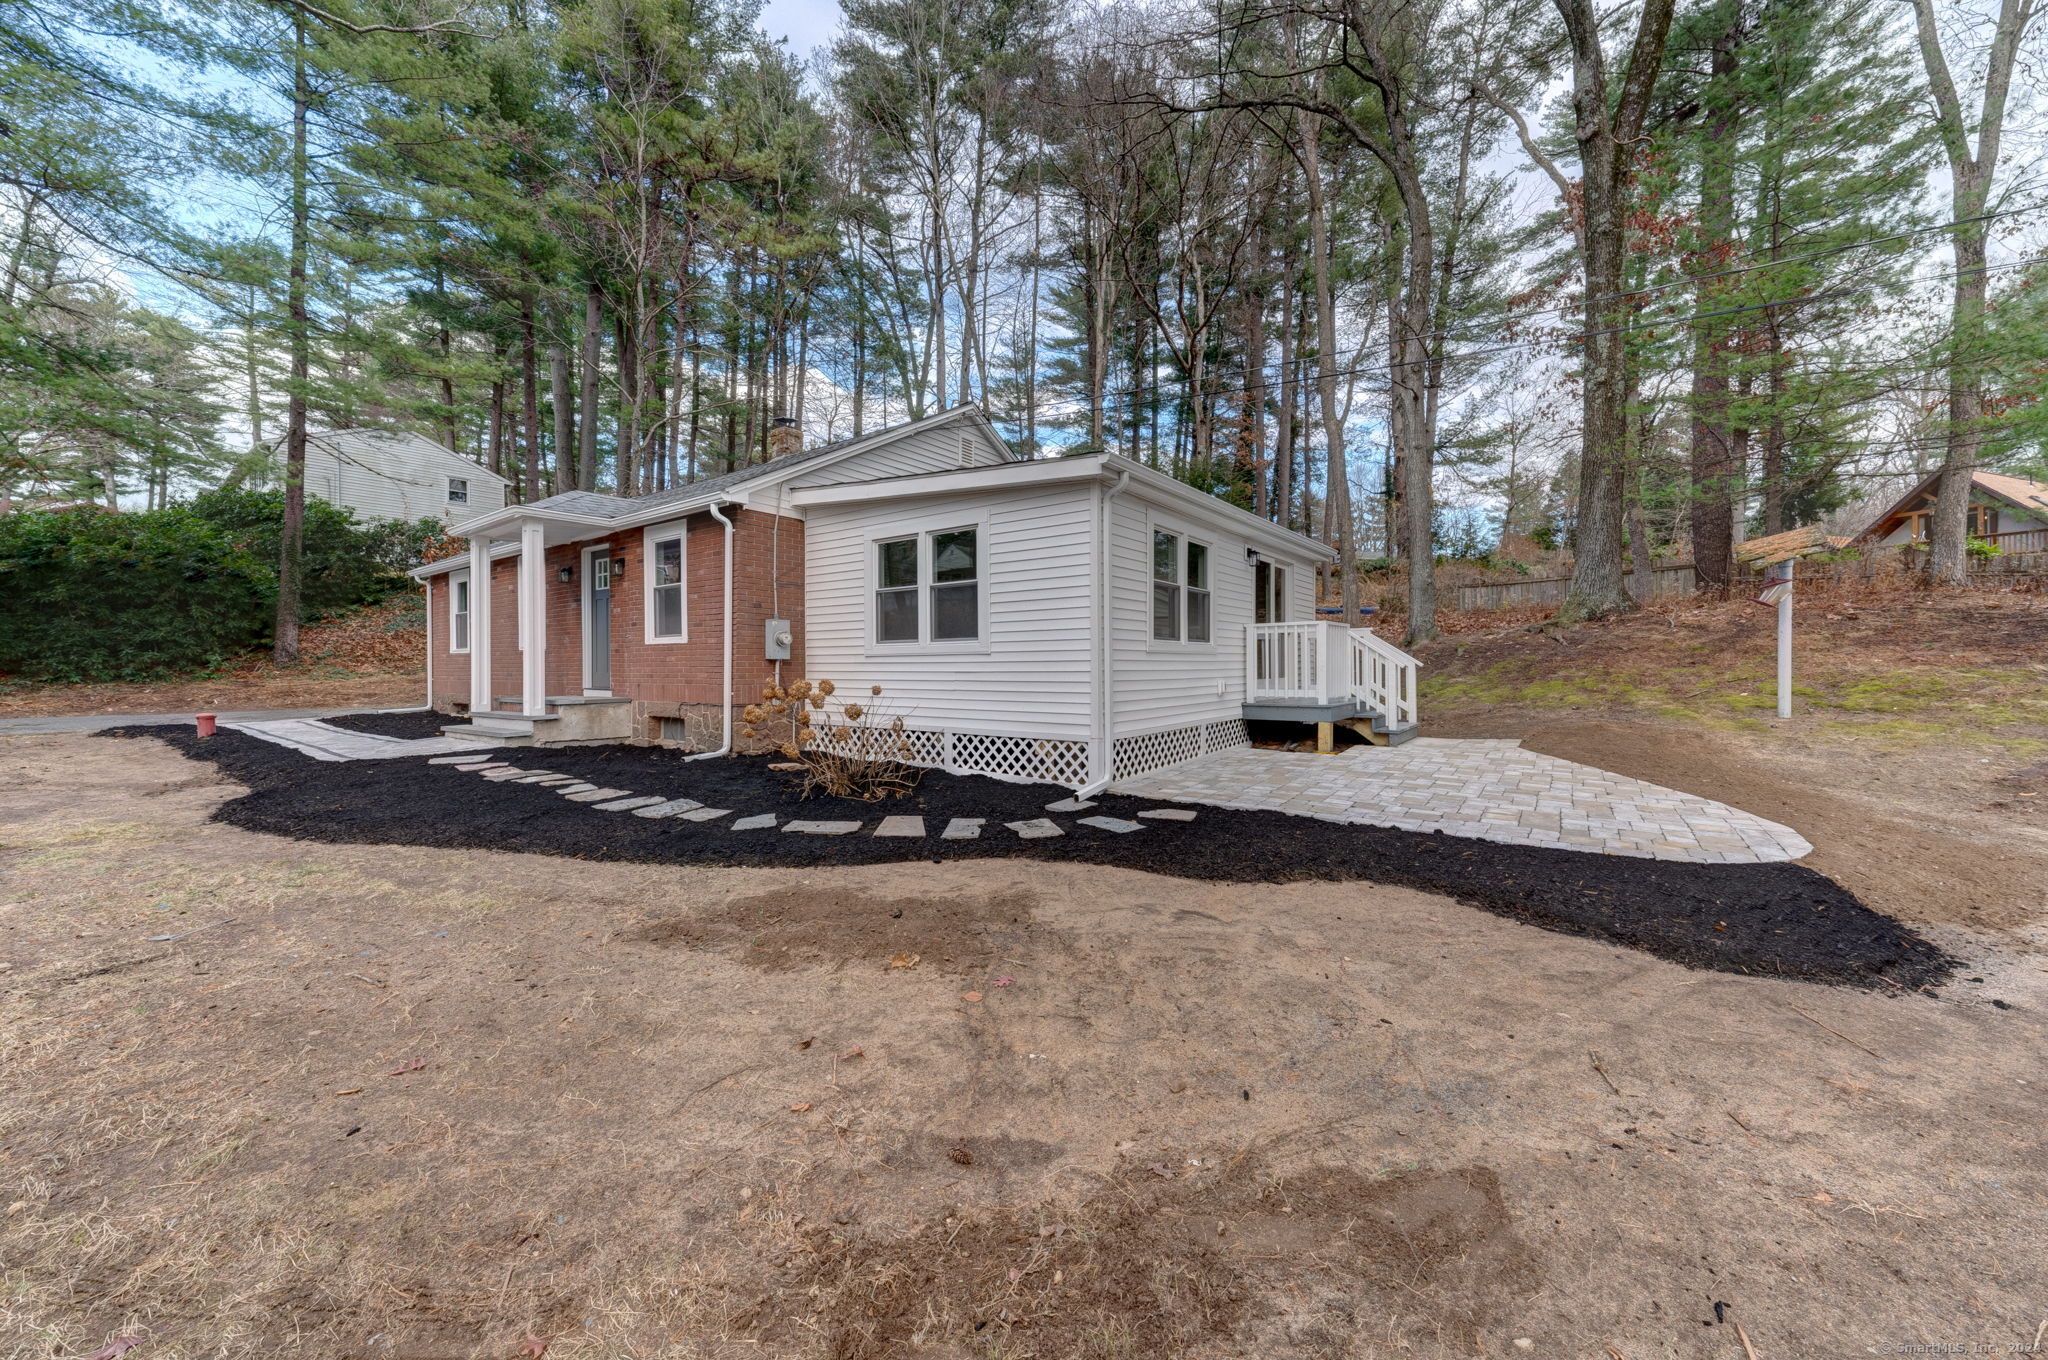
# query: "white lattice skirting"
{"points": [[1026, 760], [1157, 750], [1040, 760]]}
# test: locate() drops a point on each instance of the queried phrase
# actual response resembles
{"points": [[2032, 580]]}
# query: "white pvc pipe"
{"points": [[1785, 643], [725, 715]]}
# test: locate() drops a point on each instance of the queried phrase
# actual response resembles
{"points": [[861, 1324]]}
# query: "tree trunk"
{"points": [[1336, 478], [291, 537], [565, 419], [529, 400], [1713, 526], [586, 414], [1607, 133]]}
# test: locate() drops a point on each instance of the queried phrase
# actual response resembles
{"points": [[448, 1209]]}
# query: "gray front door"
{"points": [[600, 623]]}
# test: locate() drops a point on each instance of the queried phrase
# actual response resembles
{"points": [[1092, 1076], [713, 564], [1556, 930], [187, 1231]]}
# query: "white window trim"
{"points": [[469, 615], [654, 533], [923, 529], [1162, 524], [454, 499]]}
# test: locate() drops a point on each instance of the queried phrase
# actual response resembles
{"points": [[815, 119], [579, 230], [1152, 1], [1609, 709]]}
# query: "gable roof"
{"points": [[599, 510], [355, 445], [2022, 493]]}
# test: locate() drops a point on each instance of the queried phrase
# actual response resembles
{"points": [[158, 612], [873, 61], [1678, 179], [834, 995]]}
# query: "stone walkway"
{"points": [[688, 809], [324, 741], [1490, 790]]}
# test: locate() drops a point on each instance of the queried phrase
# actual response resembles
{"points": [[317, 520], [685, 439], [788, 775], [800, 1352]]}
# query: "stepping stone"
{"points": [[507, 776], [598, 795], [822, 828], [553, 781], [705, 814], [1116, 824], [637, 801], [963, 829], [473, 767], [577, 787], [669, 808], [455, 760], [1038, 828], [759, 822], [1069, 805], [901, 826], [538, 776], [1168, 814]]}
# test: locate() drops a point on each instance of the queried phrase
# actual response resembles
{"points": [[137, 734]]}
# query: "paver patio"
{"points": [[1490, 790]]}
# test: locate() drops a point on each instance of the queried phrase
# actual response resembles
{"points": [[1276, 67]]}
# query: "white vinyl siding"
{"points": [[945, 449], [1031, 670], [384, 475], [1163, 684]]}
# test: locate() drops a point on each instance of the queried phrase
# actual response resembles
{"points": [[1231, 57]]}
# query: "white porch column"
{"points": [[533, 618], [479, 625]]}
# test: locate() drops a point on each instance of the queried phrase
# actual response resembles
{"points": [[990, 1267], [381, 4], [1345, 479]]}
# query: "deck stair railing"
{"points": [[1319, 664]]}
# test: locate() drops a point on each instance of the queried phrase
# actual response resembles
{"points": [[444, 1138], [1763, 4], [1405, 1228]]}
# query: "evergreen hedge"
{"points": [[89, 594]]}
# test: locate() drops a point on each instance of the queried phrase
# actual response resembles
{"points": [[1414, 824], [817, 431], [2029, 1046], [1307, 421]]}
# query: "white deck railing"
{"points": [[1326, 663]]}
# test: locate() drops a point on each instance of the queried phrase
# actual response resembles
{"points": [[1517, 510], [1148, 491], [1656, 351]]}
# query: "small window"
{"points": [[458, 613], [458, 491], [956, 586], [1198, 592], [896, 591], [665, 588], [1166, 587]]}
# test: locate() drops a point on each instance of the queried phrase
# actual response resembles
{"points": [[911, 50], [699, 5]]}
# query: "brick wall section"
{"points": [[664, 679]]}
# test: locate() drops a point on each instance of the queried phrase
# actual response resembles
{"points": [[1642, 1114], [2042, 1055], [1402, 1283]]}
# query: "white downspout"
{"points": [[1105, 641], [725, 716]]}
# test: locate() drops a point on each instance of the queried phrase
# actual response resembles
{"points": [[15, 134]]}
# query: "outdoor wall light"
{"points": [[618, 568], [565, 574]]}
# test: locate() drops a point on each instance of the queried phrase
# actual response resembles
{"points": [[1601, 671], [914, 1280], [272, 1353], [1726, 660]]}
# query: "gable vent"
{"points": [[966, 450]]}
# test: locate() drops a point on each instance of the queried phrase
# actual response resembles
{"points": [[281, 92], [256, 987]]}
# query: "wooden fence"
{"points": [[1675, 578], [1678, 578]]}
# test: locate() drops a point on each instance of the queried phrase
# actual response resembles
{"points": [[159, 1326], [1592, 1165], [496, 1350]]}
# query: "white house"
{"points": [[1069, 620], [396, 474]]}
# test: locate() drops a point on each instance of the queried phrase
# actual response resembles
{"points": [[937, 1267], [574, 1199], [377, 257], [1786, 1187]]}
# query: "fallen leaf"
{"points": [[803, 1044], [351, 1091], [800, 1107], [1004, 981], [850, 1054], [970, 996], [534, 1346], [116, 1348], [410, 1065], [903, 961], [1159, 1170]]}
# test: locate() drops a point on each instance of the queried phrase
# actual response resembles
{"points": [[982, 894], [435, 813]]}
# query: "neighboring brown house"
{"points": [[2009, 511]]}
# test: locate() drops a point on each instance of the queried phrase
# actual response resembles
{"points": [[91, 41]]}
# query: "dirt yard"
{"points": [[270, 1097]]}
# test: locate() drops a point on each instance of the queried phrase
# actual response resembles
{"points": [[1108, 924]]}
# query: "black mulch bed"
{"points": [[1769, 919], [417, 723]]}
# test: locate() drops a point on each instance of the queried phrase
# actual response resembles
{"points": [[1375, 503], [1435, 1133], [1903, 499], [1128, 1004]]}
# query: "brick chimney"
{"points": [[784, 437]]}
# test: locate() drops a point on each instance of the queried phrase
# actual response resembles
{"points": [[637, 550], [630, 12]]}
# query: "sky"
{"points": [[809, 25]]}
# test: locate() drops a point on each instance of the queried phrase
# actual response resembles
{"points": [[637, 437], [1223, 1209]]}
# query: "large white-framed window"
{"points": [[1181, 610], [458, 611], [930, 588], [664, 581]]}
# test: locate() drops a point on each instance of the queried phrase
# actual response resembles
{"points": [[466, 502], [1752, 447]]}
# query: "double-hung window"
{"points": [[458, 612], [666, 621], [458, 490], [928, 587], [1180, 589]]}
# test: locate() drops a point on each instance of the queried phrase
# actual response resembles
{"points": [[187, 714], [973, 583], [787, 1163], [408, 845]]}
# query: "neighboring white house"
{"points": [[396, 474], [1070, 619]]}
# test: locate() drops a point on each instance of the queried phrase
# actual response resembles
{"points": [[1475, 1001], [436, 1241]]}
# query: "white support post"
{"points": [[1785, 641], [533, 619], [479, 625]]}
